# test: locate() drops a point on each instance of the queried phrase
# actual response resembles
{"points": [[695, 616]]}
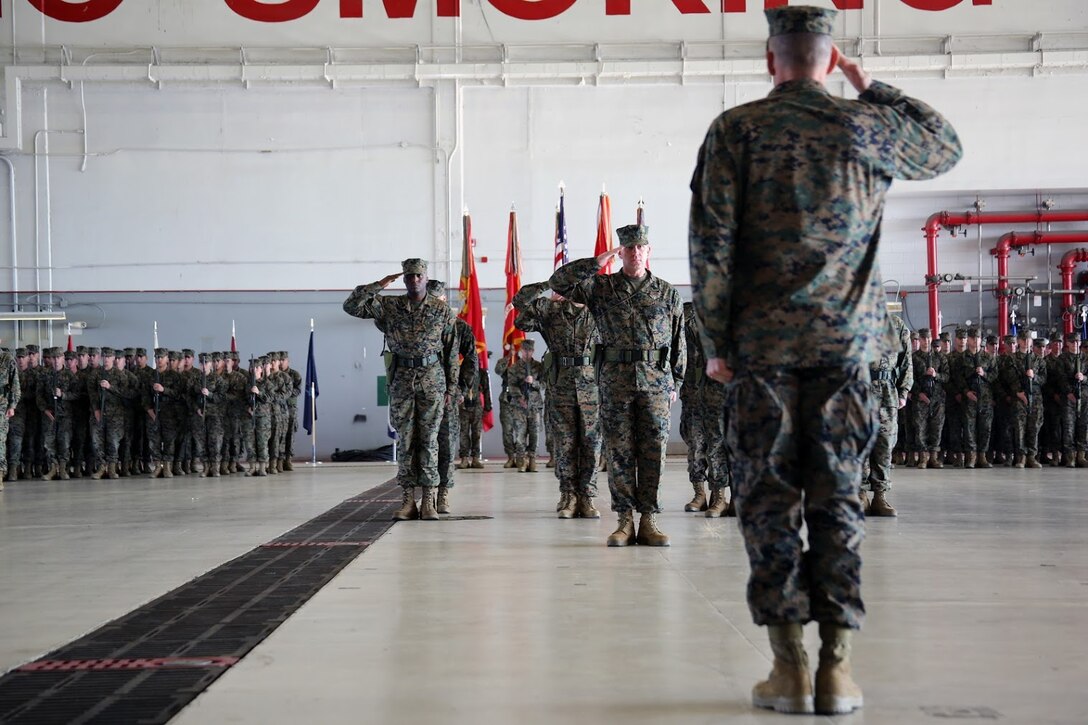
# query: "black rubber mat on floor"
{"points": [[146, 666]]}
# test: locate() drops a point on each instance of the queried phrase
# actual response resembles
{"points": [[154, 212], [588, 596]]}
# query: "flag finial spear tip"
{"points": [[603, 189], [464, 211], [562, 186]]}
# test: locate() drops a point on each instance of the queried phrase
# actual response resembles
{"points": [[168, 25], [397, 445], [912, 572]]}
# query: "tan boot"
{"points": [[476, 463], [510, 462], [569, 510], [880, 505], [698, 503], [443, 504], [111, 471], [584, 508], [624, 535], [922, 460], [1020, 462], [1069, 460], [427, 510], [51, 474], [935, 460], [648, 533], [1082, 459], [1032, 462], [216, 469], [280, 467], [13, 473], [718, 502], [971, 460], [62, 471], [225, 468], [530, 464], [207, 472], [98, 474], [564, 499], [259, 468], [836, 691], [982, 460], [463, 464], [863, 496], [288, 466], [788, 688], [519, 463], [156, 471], [551, 461], [271, 468], [408, 510]]}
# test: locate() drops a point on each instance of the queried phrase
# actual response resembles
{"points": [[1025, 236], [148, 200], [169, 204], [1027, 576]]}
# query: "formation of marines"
{"points": [[977, 402], [111, 412]]}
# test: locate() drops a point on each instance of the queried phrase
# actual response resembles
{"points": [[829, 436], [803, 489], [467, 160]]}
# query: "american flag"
{"points": [[562, 256]]}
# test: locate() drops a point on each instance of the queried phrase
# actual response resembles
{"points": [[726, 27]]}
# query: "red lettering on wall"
{"points": [[938, 5], [400, 8], [76, 12], [687, 7], [532, 9], [280, 12]]}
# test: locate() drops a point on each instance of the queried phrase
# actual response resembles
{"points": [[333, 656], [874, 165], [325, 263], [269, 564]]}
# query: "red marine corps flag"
{"points": [[511, 335], [604, 230], [473, 311]]}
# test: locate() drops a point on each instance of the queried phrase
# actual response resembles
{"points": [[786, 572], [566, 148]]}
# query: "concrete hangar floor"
{"points": [[290, 599]]}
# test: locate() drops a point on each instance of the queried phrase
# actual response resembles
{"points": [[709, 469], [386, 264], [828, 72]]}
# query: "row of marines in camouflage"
{"points": [[521, 404], [787, 199], [105, 412], [1018, 404]]}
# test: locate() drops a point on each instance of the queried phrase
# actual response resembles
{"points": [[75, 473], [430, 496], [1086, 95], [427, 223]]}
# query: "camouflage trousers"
{"points": [[879, 465], [928, 423], [1028, 422], [16, 431], [449, 439], [526, 429], [165, 433], [415, 407], [506, 421], [472, 425], [549, 436], [977, 421], [691, 430], [57, 437], [635, 424], [125, 448], [239, 427], [257, 444], [213, 433], [290, 429], [1074, 427], [106, 434], [277, 447], [576, 435], [198, 433], [4, 425], [953, 426], [715, 421], [798, 439], [80, 434]]}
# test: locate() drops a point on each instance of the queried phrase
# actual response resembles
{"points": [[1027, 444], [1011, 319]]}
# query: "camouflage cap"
{"points": [[48, 352], [1042, 341], [263, 360], [974, 332], [81, 349], [991, 339], [961, 333], [187, 352], [924, 333], [1012, 338], [31, 349], [130, 352], [945, 337], [415, 265], [204, 357], [20, 352], [217, 356], [1024, 334], [633, 235], [141, 352], [107, 352], [800, 19], [236, 356], [92, 351], [162, 352], [1072, 337], [174, 355], [71, 355], [528, 344], [284, 355], [436, 288]]}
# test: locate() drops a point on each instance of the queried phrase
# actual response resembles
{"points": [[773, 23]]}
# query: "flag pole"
{"points": [[313, 413]]}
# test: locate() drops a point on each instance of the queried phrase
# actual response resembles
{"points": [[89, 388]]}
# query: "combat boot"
{"points": [[168, 470], [463, 464], [288, 465], [519, 463], [1070, 460], [214, 467], [971, 458], [569, 510], [836, 691], [698, 503], [176, 469], [551, 461], [863, 497], [258, 469], [225, 468], [156, 471], [922, 460], [584, 508], [99, 473], [62, 471], [1032, 462], [1082, 459], [788, 689], [880, 505], [624, 535], [935, 460], [476, 463], [3, 475], [443, 505], [270, 468], [427, 511], [51, 474], [1020, 462], [281, 465], [13, 473], [564, 499], [207, 472], [510, 462], [717, 504], [530, 464], [111, 471], [648, 533], [408, 510], [983, 461]]}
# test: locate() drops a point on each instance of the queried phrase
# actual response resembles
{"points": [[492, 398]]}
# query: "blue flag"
{"points": [[309, 411]]}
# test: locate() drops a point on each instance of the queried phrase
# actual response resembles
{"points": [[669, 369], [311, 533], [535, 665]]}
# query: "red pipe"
{"points": [[1018, 239], [1067, 265], [949, 219]]}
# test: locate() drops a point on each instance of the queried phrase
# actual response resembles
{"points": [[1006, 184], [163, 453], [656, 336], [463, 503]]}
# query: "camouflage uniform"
{"points": [[262, 400], [449, 434], [691, 410], [573, 396], [15, 430], [57, 433], [929, 415], [893, 377], [294, 390], [788, 196], [526, 402], [506, 410], [978, 415], [472, 416], [955, 442], [108, 411], [213, 408], [1027, 413], [640, 362], [1074, 409], [10, 394], [423, 371]]}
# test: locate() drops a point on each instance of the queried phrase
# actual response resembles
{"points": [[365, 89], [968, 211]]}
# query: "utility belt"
{"points": [[416, 362], [881, 375], [619, 355], [575, 362]]}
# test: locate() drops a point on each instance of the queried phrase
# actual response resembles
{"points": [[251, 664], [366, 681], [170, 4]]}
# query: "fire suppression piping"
{"points": [[1069, 262], [951, 220], [1029, 239]]}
